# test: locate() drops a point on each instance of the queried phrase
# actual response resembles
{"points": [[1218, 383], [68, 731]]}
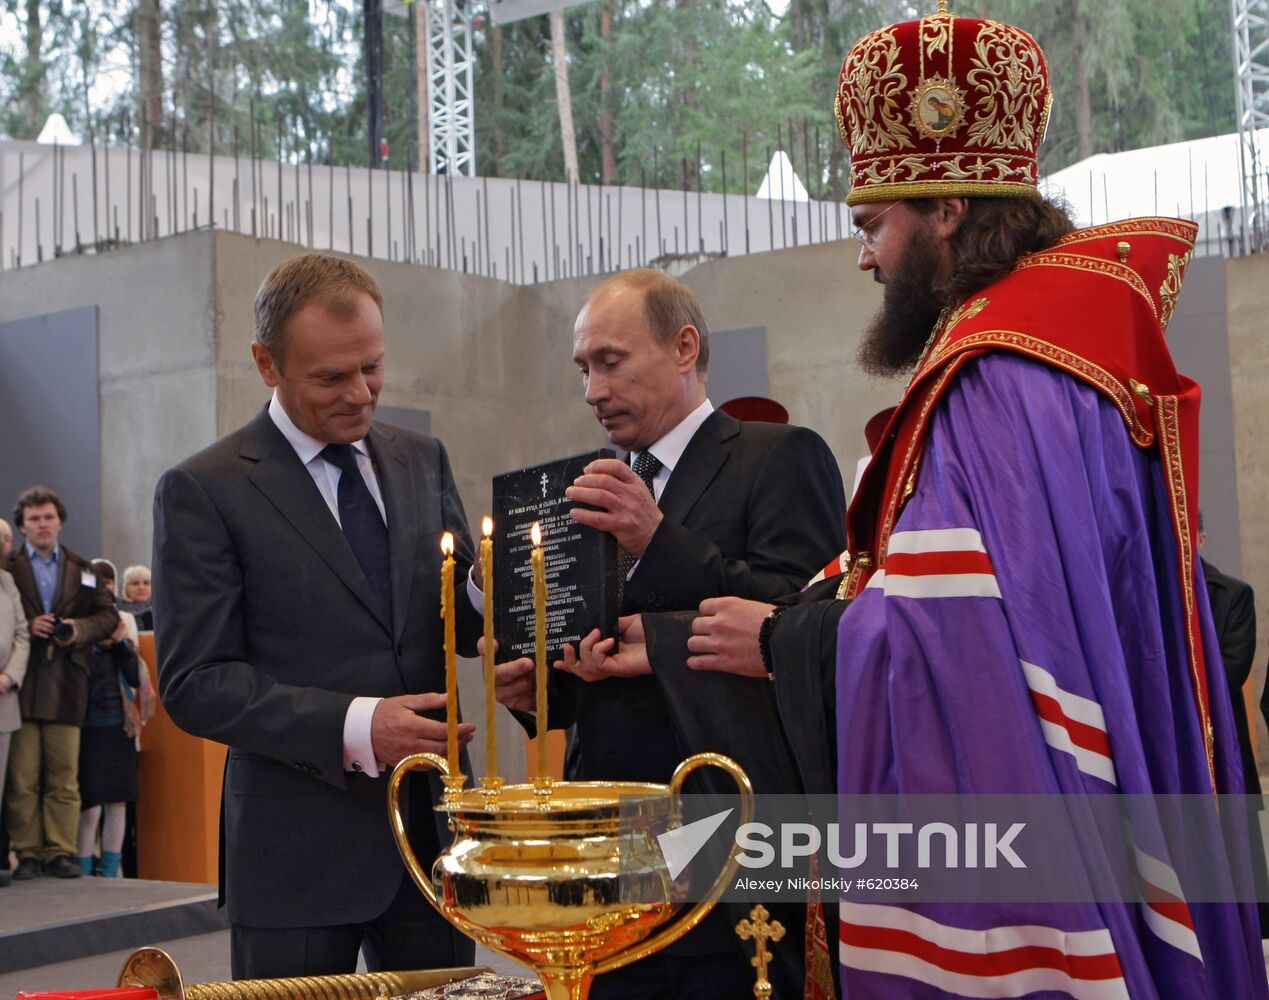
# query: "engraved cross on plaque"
{"points": [[544, 482], [760, 929]]}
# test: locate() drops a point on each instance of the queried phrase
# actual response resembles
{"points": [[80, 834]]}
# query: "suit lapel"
{"points": [[285, 483], [24, 577], [396, 483], [68, 579], [700, 462]]}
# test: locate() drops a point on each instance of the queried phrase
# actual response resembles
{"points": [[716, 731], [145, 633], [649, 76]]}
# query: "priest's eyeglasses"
{"points": [[868, 232]]}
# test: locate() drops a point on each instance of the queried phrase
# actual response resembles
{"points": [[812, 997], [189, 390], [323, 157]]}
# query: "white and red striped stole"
{"points": [[1004, 961], [940, 562], [1071, 723]]}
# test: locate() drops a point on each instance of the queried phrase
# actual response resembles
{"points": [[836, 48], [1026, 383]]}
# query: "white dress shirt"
{"points": [[669, 449], [358, 747]]}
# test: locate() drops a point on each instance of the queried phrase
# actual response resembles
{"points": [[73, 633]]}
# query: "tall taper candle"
{"points": [[451, 672], [487, 577], [539, 643]]}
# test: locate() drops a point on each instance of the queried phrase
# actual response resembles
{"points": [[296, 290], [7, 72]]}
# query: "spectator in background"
{"points": [[14, 647], [67, 610], [136, 596], [107, 751], [6, 546]]}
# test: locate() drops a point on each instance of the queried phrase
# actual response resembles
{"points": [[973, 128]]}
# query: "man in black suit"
{"points": [[707, 507], [67, 608], [297, 585], [1234, 617]]}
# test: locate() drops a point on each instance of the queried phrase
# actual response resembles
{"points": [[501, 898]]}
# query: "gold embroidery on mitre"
{"points": [[936, 37], [873, 82], [937, 108], [971, 167], [874, 172], [1044, 118], [1171, 287], [1007, 78], [837, 113]]}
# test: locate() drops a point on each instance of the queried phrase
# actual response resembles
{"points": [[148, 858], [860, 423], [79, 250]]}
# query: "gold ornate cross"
{"points": [[760, 929]]}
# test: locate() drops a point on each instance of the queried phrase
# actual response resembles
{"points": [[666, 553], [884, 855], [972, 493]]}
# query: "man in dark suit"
{"points": [[297, 587], [708, 506], [67, 608], [1234, 617]]}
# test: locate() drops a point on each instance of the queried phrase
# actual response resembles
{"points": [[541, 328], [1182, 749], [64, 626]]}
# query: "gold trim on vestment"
{"points": [[1059, 357], [1167, 409]]}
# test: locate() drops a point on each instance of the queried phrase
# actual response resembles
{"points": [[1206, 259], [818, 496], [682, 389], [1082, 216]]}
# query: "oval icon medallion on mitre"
{"points": [[938, 108]]}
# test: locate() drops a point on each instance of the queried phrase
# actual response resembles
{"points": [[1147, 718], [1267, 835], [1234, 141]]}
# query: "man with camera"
{"points": [[67, 608]]}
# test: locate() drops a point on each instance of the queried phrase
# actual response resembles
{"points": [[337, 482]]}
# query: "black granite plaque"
{"points": [[581, 562]]}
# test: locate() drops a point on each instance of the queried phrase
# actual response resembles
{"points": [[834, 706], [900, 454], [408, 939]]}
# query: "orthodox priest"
{"points": [[1020, 608]]}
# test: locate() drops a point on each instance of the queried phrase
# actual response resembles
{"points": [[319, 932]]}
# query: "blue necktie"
{"points": [[362, 523]]}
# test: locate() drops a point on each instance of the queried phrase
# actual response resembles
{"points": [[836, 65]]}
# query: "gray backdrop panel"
{"points": [[737, 363], [51, 418]]}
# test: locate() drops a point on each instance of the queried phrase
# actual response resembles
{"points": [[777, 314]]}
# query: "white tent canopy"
{"points": [[781, 183], [1186, 179], [56, 130]]}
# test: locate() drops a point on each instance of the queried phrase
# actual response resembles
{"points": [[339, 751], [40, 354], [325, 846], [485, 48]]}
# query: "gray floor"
{"points": [[53, 903], [201, 959]]}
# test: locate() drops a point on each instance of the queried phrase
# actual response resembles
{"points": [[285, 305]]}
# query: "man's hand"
{"points": [[42, 625], [515, 684], [397, 730], [627, 511], [725, 636], [594, 659]]}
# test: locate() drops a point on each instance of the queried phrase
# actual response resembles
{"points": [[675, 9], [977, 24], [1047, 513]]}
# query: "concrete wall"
{"points": [[1247, 296], [156, 338], [491, 362]]}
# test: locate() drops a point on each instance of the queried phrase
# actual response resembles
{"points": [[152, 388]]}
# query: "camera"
{"points": [[63, 630]]}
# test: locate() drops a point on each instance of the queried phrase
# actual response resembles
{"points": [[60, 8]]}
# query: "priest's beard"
{"points": [[896, 336]]}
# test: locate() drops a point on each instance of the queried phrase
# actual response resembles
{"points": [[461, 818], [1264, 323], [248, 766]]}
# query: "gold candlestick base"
{"points": [[543, 786], [491, 788], [453, 788]]}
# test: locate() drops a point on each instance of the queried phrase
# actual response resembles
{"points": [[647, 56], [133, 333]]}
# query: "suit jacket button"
{"points": [[357, 766]]}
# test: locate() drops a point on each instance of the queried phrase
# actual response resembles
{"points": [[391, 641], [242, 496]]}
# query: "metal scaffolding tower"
{"points": [[1251, 64], [451, 123]]}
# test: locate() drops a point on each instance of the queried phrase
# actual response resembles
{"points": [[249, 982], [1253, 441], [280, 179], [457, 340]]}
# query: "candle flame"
{"points": [[447, 544], [536, 534], [486, 526]]}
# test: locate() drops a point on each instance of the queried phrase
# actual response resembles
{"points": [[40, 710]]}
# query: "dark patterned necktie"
{"points": [[646, 466], [362, 523]]}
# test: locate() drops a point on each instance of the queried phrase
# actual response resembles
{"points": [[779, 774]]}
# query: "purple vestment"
{"points": [[1024, 635]]}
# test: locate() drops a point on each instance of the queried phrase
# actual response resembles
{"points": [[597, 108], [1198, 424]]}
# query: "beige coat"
{"points": [[14, 647]]}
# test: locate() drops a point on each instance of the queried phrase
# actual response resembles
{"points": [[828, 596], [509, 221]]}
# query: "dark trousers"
{"points": [[409, 935], [662, 976]]}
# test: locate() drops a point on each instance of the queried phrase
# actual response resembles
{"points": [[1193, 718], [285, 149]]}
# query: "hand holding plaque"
{"points": [[622, 504]]}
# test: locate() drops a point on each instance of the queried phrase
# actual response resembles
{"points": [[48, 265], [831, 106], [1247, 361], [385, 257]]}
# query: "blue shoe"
{"points": [[109, 867], [85, 863]]}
